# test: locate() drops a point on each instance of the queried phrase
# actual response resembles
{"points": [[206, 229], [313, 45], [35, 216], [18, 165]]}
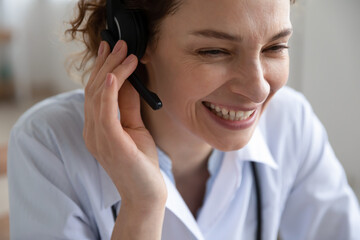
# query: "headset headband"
{"points": [[111, 5]]}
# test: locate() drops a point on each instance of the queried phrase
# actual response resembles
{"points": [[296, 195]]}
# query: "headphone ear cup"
{"points": [[108, 37], [141, 33], [129, 25], [132, 29]]}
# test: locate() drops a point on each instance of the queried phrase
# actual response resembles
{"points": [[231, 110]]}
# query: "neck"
{"points": [[188, 153]]}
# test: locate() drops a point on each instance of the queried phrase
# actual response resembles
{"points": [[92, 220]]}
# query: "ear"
{"points": [[146, 57]]}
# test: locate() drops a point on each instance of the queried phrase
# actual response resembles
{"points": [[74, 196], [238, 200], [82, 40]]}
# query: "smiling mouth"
{"points": [[227, 114]]}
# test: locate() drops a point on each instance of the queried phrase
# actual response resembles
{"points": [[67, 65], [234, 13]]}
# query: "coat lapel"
{"points": [[178, 207]]}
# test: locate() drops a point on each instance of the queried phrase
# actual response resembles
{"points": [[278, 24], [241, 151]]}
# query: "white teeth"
{"points": [[224, 111], [239, 114], [229, 114]]}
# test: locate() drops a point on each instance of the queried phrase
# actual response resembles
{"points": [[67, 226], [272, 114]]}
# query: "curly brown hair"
{"points": [[90, 20]]}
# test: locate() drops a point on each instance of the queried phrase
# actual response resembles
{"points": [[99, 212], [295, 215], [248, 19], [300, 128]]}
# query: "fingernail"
{"points": [[129, 59], [109, 80], [101, 48], [117, 47]]}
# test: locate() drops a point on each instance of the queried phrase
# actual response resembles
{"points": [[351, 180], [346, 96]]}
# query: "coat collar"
{"points": [[256, 150]]}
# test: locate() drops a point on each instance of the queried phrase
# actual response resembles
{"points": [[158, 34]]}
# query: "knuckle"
{"points": [[112, 57], [122, 71], [118, 56]]}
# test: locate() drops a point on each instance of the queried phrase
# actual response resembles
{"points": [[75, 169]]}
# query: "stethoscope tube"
{"points": [[258, 202]]}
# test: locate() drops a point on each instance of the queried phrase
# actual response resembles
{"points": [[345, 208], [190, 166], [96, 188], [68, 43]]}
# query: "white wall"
{"points": [[38, 50], [325, 62]]}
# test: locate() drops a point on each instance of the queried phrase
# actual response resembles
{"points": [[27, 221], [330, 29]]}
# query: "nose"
{"points": [[249, 81]]}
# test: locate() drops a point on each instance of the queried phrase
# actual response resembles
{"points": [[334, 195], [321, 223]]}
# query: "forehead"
{"points": [[252, 19]]}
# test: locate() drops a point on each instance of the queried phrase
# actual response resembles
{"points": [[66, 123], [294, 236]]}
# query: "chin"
{"points": [[231, 143], [229, 148]]}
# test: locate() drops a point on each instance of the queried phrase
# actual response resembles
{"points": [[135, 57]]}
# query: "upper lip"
{"points": [[233, 107]]}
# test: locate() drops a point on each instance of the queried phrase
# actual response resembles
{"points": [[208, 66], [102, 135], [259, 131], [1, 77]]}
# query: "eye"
{"points": [[212, 52], [276, 48]]}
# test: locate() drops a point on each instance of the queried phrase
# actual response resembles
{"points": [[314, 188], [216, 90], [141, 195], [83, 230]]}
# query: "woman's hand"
{"points": [[124, 147]]}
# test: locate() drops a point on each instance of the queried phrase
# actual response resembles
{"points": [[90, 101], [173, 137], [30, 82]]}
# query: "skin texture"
{"points": [[240, 74], [245, 76], [125, 150]]}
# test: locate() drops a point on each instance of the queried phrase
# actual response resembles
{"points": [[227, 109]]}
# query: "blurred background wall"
{"points": [[325, 64], [324, 50], [37, 47]]}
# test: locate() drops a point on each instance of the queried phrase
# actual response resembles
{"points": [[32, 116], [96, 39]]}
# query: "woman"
{"points": [[184, 171]]}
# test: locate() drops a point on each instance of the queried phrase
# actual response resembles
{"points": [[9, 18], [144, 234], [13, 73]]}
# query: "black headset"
{"points": [[129, 25]]}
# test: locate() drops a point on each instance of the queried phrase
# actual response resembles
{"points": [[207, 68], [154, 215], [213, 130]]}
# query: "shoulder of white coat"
{"points": [[55, 112], [56, 123], [48, 137]]}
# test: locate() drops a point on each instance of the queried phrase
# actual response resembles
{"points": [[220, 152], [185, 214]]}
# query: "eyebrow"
{"points": [[209, 33], [284, 33], [216, 34]]}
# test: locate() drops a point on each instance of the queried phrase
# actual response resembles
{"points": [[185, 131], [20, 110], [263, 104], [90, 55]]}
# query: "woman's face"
{"points": [[217, 64]]}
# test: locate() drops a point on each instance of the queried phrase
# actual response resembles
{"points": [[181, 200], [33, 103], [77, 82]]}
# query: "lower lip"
{"points": [[233, 125]]}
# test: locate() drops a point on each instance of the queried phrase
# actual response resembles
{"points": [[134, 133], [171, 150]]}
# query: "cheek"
{"points": [[276, 73], [190, 80]]}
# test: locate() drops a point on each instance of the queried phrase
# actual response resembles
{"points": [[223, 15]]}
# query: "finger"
{"points": [[115, 58], [109, 127], [129, 105], [109, 98], [129, 101], [108, 114], [103, 52], [110, 62], [89, 121]]}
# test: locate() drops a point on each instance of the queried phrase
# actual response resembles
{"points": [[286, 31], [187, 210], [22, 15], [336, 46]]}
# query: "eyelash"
{"points": [[212, 53], [277, 48], [219, 52]]}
